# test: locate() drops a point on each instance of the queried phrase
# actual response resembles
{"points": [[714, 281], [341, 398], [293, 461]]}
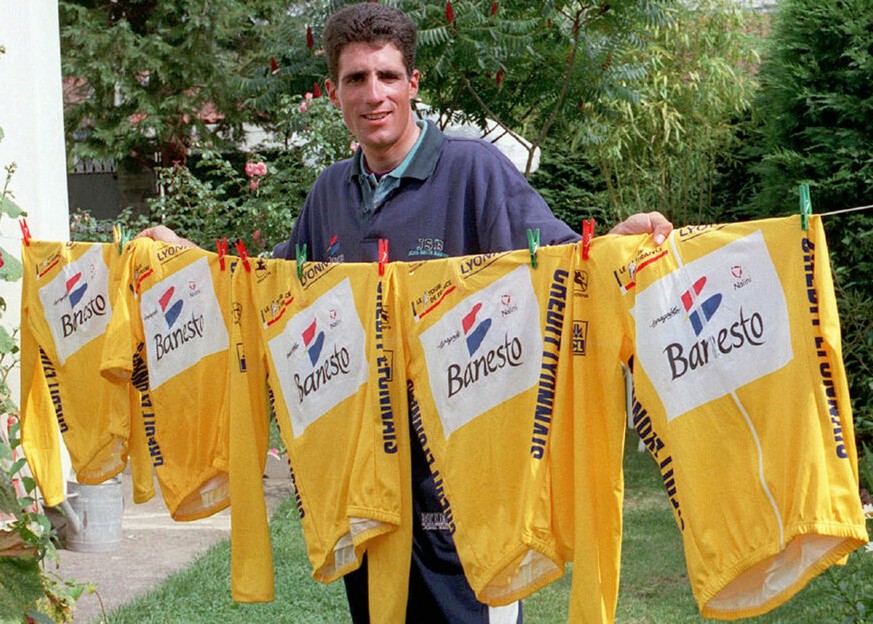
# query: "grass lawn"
{"points": [[654, 585]]}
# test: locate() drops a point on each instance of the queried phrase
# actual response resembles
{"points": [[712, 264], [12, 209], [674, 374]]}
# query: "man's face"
{"points": [[373, 90]]}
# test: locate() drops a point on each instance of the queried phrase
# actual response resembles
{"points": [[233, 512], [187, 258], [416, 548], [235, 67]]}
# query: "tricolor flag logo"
{"points": [[333, 247], [76, 291], [171, 309], [475, 330], [700, 311], [313, 340]]}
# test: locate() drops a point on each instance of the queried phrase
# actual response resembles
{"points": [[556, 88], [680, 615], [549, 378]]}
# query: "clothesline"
{"points": [[820, 214], [845, 210]]}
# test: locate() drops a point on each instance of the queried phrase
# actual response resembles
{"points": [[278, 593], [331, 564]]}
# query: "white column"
{"points": [[31, 115]]}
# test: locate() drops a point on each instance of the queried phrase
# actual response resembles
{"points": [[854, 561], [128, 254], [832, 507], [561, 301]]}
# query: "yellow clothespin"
{"points": [[533, 243], [805, 206]]}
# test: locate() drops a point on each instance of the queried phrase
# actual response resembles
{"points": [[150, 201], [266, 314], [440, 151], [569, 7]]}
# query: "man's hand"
{"points": [[645, 223], [165, 235]]}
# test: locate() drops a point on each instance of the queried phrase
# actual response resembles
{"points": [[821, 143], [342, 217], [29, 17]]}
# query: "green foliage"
{"points": [[816, 123], [215, 198], [851, 242], [535, 68], [816, 103], [662, 152], [20, 587], [573, 189], [85, 227], [10, 266], [865, 468], [852, 589], [153, 80]]}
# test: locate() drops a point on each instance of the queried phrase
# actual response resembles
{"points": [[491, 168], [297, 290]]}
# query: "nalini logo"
{"points": [[700, 312], [170, 309], [76, 291], [508, 307], [474, 330], [313, 340]]}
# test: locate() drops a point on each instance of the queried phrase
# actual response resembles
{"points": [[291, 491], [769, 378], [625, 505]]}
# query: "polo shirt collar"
{"points": [[423, 161]]}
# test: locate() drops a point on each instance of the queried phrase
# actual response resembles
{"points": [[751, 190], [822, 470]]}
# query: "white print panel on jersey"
{"points": [[713, 325], [491, 337], [182, 322], [76, 303], [320, 357]]}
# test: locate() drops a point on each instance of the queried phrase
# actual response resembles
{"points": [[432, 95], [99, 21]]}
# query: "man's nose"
{"points": [[375, 88]]}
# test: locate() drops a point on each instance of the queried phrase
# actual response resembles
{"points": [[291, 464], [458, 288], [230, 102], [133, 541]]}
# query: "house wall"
{"points": [[31, 115]]}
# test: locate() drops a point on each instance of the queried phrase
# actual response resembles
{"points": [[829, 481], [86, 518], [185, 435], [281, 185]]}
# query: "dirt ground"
{"points": [[153, 546]]}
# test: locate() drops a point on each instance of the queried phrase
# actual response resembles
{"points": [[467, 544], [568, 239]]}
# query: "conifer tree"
{"points": [[817, 114], [151, 79]]}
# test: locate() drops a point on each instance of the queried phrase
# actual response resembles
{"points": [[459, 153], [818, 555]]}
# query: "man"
{"points": [[431, 196]]}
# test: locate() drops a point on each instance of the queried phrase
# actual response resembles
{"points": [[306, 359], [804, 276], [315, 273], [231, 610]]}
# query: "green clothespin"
{"points": [[533, 243], [300, 253], [121, 236], [805, 206]]}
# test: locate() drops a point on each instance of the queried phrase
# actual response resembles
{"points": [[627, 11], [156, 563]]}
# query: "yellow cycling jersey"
{"points": [[65, 312], [588, 441], [763, 481], [483, 339], [169, 337], [333, 391]]}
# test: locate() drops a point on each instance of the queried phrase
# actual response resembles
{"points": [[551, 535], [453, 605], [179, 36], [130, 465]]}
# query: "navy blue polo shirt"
{"points": [[457, 196], [453, 197]]}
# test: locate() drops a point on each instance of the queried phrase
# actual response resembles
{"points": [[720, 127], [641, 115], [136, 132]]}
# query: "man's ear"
{"points": [[413, 83], [331, 92]]}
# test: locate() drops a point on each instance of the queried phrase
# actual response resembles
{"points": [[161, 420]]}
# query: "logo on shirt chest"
{"points": [[429, 246], [334, 251]]}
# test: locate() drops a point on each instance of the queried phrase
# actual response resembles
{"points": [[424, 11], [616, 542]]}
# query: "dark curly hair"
{"points": [[369, 22]]}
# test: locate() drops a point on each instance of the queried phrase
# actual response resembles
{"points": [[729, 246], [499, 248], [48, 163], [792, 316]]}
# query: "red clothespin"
{"points": [[25, 231], [587, 235], [243, 254], [383, 255], [221, 247]]}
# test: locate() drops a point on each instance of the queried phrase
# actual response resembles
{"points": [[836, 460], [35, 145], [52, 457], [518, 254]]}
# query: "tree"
{"points": [[816, 108], [662, 152], [150, 80], [534, 68], [817, 105]]}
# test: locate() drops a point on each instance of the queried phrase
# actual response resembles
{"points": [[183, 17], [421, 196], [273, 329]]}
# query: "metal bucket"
{"points": [[95, 524]]}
